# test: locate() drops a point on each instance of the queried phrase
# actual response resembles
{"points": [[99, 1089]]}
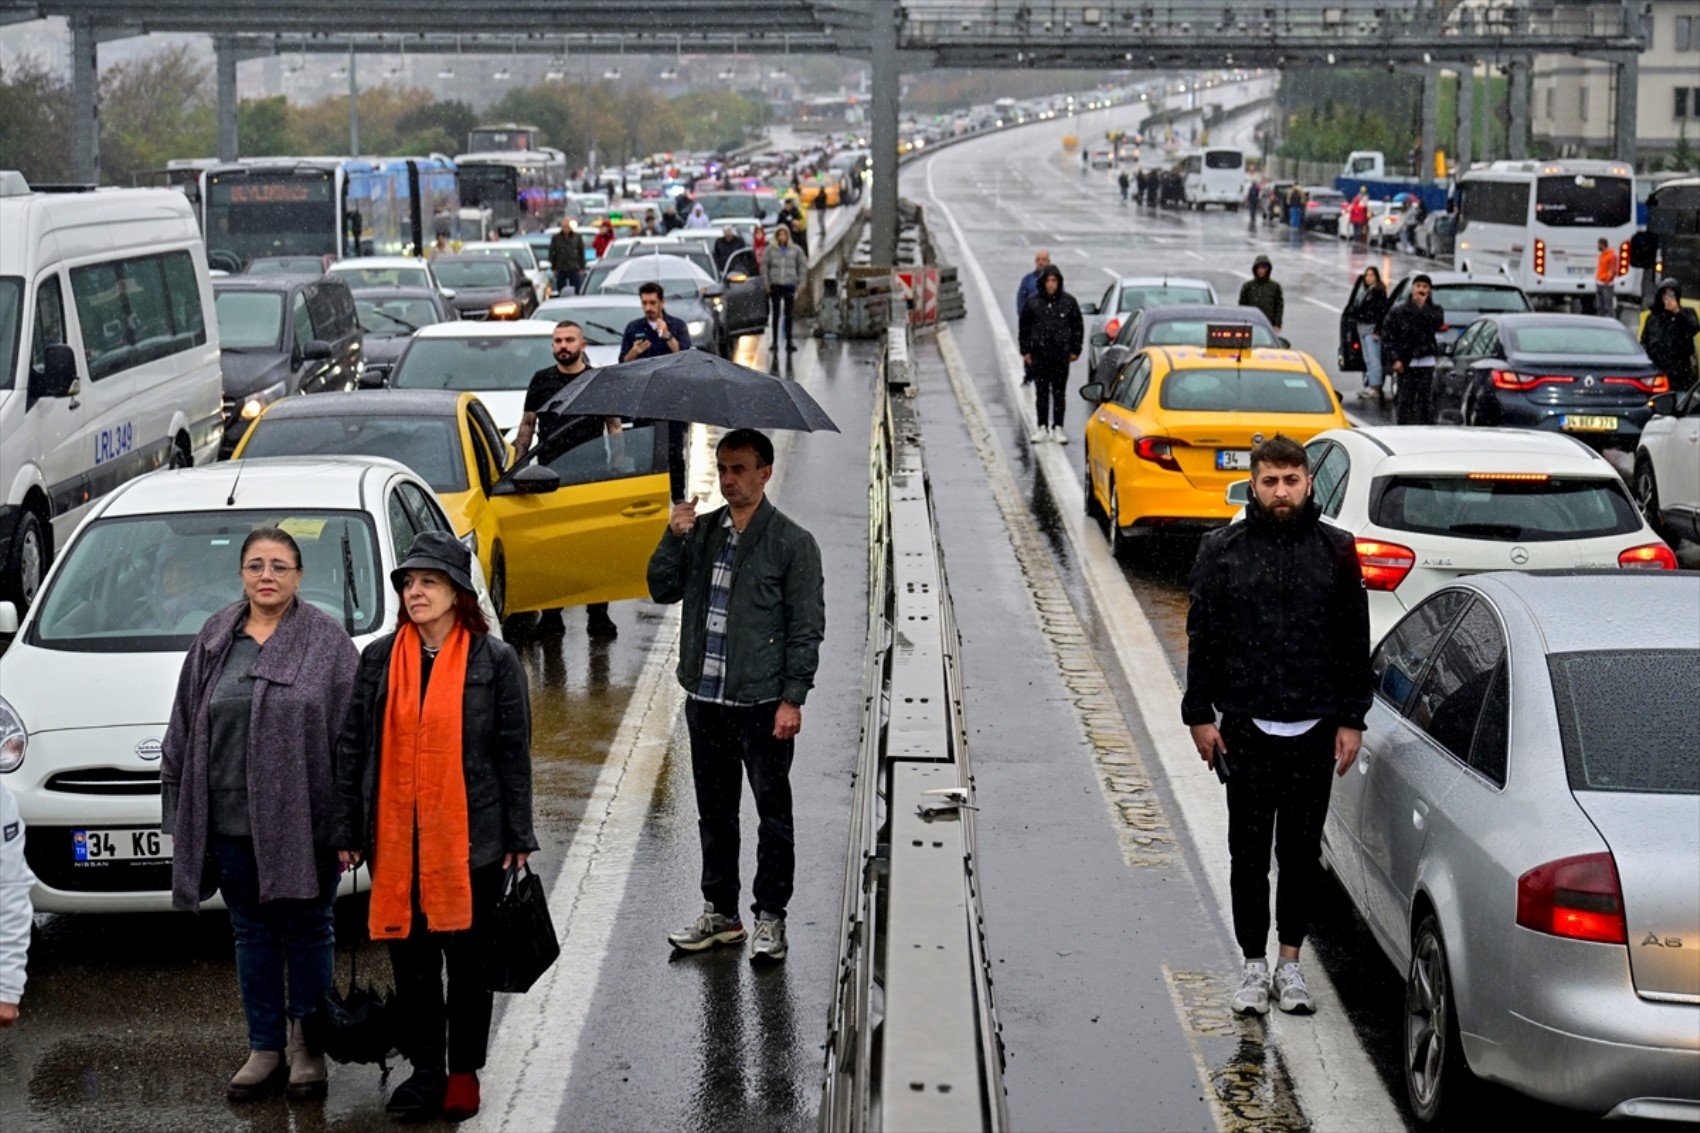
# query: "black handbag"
{"points": [[518, 938], [359, 1026]]}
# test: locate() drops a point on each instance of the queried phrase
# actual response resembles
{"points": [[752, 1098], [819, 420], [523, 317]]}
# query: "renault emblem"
{"points": [[149, 749], [1588, 381], [1519, 555]]}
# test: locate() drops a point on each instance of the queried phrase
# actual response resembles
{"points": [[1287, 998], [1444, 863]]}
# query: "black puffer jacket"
{"points": [[1407, 333], [1051, 327], [1668, 337], [1279, 623], [1371, 306], [495, 752]]}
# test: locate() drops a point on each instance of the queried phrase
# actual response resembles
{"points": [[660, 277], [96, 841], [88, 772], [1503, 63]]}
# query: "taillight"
{"points": [[1112, 327], [1159, 451], [1623, 260], [1658, 383], [1578, 897], [1384, 565], [1540, 257], [1648, 556], [1512, 380]]}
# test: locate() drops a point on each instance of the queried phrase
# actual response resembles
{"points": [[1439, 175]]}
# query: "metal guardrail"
{"points": [[913, 1042]]}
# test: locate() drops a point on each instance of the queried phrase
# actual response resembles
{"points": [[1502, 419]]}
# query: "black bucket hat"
{"points": [[437, 550]]}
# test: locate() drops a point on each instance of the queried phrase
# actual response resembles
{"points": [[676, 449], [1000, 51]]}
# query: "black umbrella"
{"points": [[692, 385]]}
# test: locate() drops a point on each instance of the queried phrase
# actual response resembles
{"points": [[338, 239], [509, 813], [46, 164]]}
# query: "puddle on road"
{"points": [[1252, 1086]]}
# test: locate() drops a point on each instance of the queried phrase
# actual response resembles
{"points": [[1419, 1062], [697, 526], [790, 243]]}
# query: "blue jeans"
{"points": [[1294, 215], [1372, 355], [274, 939]]}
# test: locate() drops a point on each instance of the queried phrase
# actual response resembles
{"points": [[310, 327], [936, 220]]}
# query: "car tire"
{"points": [[1645, 486], [179, 458], [27, 565], [499, 584], [1475, 414], [1121, 547], [1437, 1078], [1094, 510]]}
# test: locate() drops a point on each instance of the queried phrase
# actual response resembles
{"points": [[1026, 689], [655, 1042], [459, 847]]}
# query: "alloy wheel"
{"points": [[1428, 1027]]}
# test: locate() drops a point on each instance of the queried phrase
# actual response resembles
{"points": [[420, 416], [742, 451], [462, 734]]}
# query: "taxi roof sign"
{"points": [[1227, 336]]}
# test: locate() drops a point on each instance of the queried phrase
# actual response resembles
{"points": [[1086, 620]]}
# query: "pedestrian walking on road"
{"points": [[1025, 290], [1052, 333], [1252, 193], [604, 237], [724, 247], [245, 793], [1668, 334], [1278, 638], [433, 788], [1125, 182], [1409, 350], [1357, 216], [781, 276], [566, 257], [1605, 281], [16, 913], [1296, 208], [1369, 309], [749, 644], [1261, 291]]}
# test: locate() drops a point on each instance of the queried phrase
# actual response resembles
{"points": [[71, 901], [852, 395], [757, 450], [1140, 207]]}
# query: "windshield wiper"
{"points": [[350, 600], [604, 329]]}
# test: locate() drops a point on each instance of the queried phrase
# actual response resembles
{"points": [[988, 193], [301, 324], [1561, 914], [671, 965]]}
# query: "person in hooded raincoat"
{"points": [[1261, 291], [1668, 334], [698, 218], [1052, 333]]}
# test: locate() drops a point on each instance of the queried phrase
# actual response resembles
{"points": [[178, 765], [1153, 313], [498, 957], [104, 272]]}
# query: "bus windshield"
{"points": [[488, 185], [251, 215], [1584, 201]]}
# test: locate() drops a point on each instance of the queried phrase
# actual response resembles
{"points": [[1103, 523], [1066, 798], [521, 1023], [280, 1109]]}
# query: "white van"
{"points": [[108, 358]]}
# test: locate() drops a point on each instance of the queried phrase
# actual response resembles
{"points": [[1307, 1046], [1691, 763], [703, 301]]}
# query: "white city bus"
{"points": [[1214, 176], [1540, 222]]}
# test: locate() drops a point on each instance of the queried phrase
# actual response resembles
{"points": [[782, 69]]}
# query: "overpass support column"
{"points": [[887, 84], [224, 50], [1431, 113], [1466, 116], [1624, 125], [1517, 131], [85, 101]]}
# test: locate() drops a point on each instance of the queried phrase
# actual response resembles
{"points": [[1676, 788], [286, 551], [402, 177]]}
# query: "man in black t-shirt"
{"points": [[570, 364]]}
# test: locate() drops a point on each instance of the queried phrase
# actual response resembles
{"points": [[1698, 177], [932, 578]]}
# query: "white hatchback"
{"points": [[1429, 504], [89, 678]]}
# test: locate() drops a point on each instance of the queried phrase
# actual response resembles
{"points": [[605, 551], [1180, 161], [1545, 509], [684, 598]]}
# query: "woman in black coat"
{"points": [[1367, 312], [434, 786]]}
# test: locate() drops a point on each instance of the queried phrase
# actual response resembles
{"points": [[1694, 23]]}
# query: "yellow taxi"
{"points": [[819, 192], [1177, 425], [571, 522]]}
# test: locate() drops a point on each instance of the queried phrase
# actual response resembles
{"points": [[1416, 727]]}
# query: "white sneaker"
{"points": [[1290, 986], [1040, 435], [1058, 435], [1252, 998]]}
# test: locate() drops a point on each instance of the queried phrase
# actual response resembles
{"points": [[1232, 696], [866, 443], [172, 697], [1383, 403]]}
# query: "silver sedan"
{"points": [[1522, 834]]}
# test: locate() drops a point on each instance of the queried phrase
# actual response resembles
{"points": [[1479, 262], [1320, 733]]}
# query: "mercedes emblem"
{"points": [[1519, 555], [149, 749]]}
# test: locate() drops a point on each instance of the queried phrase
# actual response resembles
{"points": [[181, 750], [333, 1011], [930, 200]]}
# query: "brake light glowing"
{"points": [[1384, 565], [1540, 257], [1113, 327], [1519, 477], [1658, 383], [1578, 897], [1512, 380], [1623, 260], [1159, 451], [1648, 556]]}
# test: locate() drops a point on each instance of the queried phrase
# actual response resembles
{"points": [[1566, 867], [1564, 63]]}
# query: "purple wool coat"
{"points": [[303, 683]]}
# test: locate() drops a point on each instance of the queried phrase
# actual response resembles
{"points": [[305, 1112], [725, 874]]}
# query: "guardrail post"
{"points": [[887, 81]]}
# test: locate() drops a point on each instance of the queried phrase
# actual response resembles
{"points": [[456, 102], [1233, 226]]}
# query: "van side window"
{"points": [[100, 310], [137, 310], [188, 321], [49, 323], [149, 317]]}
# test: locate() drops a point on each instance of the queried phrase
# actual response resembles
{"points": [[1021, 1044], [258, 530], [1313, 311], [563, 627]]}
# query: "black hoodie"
{"points": [[1051, 327], [1668, 337]]}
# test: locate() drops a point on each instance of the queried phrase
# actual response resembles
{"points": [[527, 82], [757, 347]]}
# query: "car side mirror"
{"points": [[737, 277], [535, 480], [8, 619], [1663, 404], [1239, 493], [1099, 338], [544, 265], [447, 293], [713, 291], [1093, 392], [1089, 308], [1286, 344], [316, 350], [58, 375]]}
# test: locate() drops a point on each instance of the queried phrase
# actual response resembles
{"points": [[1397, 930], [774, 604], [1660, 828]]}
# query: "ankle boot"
{"points": [[257, 1076], [306, 1066], [460, 1099]]}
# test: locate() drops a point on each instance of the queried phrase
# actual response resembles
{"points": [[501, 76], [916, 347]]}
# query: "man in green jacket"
{"points": [[749, 645], [1264, 293]]}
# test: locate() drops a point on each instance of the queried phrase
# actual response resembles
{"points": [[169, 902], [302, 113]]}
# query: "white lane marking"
{"points": [[538, 1040], [1338, 1087], [1111, 272], [1324, 304]]}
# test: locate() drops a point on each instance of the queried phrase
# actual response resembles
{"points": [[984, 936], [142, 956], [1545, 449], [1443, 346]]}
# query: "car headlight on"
{"points": [[14, 738], [697, 327], [506, 309], [255, 403]]}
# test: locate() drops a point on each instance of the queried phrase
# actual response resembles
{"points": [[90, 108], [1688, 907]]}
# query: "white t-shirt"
{"points": [[1285, 728]]}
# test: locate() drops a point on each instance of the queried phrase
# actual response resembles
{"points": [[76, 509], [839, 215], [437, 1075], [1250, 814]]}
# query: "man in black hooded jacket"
{"points": [[1668, 334], [1278, 643], [1052, 333]]}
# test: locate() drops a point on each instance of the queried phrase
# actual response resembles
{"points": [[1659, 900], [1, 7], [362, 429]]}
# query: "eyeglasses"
{"points": [[258, 569]]}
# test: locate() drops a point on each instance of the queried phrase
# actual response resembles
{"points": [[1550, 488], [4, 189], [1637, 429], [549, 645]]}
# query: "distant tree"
{"points": [[35, 120], [445, 123], [263, 127], [715, 119], [154, 109]]}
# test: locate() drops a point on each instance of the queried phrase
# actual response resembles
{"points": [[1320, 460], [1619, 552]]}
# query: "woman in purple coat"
{"points": [[246, 790]]}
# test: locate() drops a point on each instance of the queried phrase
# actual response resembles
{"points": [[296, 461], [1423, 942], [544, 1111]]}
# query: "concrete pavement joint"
{"points": [[1143, 830]]}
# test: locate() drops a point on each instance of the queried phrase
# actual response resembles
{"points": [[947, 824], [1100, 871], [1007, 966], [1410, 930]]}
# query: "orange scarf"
{"points": [[420, 780]]}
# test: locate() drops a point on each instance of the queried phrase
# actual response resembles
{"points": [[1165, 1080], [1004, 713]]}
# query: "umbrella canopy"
{"points": [[692, 385]]}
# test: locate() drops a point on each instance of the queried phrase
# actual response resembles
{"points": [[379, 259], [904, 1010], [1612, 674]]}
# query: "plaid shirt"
{"points": [[713, 685]]}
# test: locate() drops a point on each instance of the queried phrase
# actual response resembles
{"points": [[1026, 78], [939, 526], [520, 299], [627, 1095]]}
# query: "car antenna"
{"points": [[231, 502]]}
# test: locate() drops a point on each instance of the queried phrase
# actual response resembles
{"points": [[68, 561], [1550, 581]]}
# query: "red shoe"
{"points": [[460, 1100]]}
